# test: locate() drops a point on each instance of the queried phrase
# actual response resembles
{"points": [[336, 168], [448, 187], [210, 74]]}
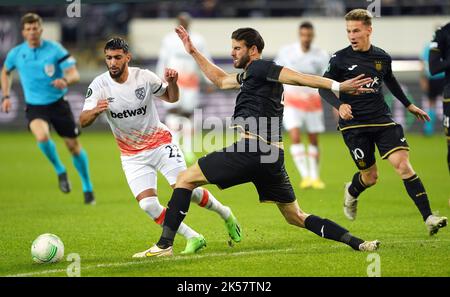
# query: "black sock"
{"points": [[176, 211], [417, 192], [357, 186], [330, 230]]}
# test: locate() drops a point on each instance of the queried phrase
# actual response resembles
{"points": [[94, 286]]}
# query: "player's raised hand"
{"points": [[419, 113], [185, 38], [102, 105], [345, 112], [356, 85], [6, 105], [170, 75]]}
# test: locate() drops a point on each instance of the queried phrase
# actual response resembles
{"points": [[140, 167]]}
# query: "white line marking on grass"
{"points": [[153, 260], [211, 255]]}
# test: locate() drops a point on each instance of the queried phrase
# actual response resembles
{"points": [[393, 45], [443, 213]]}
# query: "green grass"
{"points": [[106, 235]]}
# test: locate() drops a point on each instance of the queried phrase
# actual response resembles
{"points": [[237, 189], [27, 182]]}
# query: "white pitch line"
{"points": [[200, 256], [137, 262]]}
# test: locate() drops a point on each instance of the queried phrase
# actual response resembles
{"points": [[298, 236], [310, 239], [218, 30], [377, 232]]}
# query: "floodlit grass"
{"points": [[108, 234]]}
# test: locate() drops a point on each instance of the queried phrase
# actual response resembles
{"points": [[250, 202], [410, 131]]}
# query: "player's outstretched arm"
{"points": [[214, 73], [87, 117], [352, 86], [6, 80]]}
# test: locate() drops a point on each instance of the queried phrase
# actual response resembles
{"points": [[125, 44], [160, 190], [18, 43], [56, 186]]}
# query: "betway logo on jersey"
{"points": [[129, 113]]}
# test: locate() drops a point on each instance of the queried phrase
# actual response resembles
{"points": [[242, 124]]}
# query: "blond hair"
{"points": [[31, 18], [360, 15]]}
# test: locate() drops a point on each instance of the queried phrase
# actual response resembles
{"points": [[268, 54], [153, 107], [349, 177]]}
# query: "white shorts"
{"points": [[311, 121], [141, 169]]}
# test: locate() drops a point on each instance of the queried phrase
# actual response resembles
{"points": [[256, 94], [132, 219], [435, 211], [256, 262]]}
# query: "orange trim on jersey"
{"points": [[159, 220], [205, 198], [138, 142], [306, 102]]}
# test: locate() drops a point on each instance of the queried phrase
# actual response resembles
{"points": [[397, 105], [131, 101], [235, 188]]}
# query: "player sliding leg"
{"points": [[193, 176]]}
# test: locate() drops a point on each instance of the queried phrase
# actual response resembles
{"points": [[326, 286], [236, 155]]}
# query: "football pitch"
{"points": [[106, 235]]}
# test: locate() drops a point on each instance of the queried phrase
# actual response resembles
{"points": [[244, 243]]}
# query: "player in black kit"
{"points": [[439, 60], [258, 157], [365, 119]]}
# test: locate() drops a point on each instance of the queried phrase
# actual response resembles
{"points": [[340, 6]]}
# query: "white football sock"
{"points": [[298, 153], [313, 160], [205, 199], [157, 213]]}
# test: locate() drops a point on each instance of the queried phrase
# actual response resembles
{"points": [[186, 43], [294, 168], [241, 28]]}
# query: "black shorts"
{"points": [[249, 160], [435, 88], [58, 114], [361, 143]]}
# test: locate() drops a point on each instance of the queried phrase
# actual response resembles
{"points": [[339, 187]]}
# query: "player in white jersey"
{"points": [[190, 77], [303, 107], [126, 95]]}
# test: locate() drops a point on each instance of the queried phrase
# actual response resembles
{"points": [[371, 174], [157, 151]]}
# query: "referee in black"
{"points": [[258, 157], [365, 119], [439, 60]]}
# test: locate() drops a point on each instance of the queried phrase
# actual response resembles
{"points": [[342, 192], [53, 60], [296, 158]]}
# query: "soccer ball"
{"points": [[47, 248]]}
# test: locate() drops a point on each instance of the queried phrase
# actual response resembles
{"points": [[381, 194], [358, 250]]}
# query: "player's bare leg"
{"points": [[81, 163], [313, 161], [298, 153], [361, 181], [41, 132], [323, 227], [400, 161]]}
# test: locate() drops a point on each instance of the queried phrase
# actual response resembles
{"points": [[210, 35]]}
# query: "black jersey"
{"points": [[441, 42], [368, 109], [259, 106]]}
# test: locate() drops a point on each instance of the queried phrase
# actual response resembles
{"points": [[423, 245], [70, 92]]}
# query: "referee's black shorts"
{"points": [[58, 114], [250, 160]]}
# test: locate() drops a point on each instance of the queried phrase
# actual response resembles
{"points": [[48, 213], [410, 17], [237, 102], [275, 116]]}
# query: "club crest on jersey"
{"points": [[49, 69], [378, 65], [140, 93]]}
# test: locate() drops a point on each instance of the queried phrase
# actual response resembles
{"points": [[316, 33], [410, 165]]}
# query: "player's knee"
{"points": [[370, 178], [42, 138], [184, 180], [73, 146], [404, 168]]}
